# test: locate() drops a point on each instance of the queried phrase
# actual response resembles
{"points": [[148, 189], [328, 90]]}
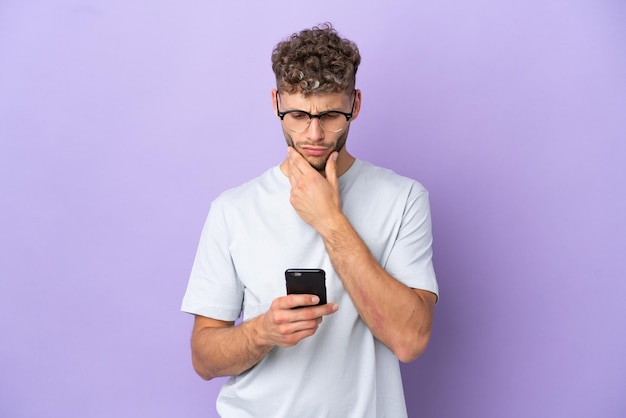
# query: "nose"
{"points": [[315, 132]]}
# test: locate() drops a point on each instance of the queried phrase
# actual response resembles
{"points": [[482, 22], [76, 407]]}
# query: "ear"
{"points": [[274, 102], [357, 105]]}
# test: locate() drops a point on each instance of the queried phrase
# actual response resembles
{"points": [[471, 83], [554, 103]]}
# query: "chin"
{"points": [[319, 164]]}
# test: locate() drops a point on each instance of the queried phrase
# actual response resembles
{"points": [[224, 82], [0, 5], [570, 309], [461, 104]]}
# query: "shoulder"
{"points": [[381, 178], [266, 183]]}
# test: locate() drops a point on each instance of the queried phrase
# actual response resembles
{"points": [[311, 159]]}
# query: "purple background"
{"points": [[121, 120]]}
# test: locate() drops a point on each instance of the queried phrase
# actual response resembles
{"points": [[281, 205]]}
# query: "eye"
{"points": [[331, 116], [298, 115]]}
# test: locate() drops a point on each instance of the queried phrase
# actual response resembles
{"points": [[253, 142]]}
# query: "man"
{"points": [[366, 226]]}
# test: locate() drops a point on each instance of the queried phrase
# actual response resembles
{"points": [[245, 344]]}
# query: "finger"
{"points": [[292, 159], [298, 300], [331, 169], [315, 312], [294, 171], [294, 301], [304, 322], [294, 338], [298, 162], [328, 309]]}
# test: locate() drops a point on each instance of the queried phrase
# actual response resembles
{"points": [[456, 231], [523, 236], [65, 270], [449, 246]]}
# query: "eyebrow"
{"points": [[332, 109]]}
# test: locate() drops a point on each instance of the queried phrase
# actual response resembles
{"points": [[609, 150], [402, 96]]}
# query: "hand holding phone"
{"points": [[307, 282], [302, 316]]}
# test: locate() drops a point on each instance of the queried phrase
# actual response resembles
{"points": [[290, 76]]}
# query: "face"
{"points": [[314, 143]]}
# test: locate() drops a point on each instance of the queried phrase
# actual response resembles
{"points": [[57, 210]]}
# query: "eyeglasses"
{"points": [[330, 121]]}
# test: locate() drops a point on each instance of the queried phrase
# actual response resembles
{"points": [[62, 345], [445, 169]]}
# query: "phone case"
{"points": [[308, 282]]}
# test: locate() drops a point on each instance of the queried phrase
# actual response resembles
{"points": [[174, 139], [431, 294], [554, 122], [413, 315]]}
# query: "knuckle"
{"points": [[312, 315], [280, 319]]}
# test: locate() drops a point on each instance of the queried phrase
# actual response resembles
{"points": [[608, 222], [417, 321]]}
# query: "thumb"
{"points": [[331, 169]]}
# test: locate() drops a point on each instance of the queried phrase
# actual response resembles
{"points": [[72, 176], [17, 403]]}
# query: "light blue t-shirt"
{"points": [[253, 234]]}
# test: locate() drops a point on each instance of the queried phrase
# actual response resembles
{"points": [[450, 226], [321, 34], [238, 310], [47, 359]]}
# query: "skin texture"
{"points": [[315, 138], [399, 316]]}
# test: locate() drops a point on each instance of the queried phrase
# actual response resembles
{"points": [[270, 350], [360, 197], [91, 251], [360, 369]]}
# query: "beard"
{"points": [[318, 163]]}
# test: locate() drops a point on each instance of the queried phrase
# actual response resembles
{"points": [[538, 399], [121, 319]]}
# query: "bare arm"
{"points": [[399, 316], [219, 348]]}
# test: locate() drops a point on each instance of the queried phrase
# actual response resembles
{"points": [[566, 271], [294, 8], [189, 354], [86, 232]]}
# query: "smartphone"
{"points": [[308, 282]]}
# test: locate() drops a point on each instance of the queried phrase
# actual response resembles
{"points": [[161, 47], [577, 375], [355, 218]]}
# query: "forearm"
{"points": [[221, 349], [397, 315], [226, 351]]}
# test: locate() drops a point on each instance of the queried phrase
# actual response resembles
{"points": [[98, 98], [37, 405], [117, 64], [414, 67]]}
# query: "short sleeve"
{"points": [[213, 289], [410, 260]]}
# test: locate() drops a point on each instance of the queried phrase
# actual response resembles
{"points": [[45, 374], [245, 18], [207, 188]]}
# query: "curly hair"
{"points": [[316, 61]]}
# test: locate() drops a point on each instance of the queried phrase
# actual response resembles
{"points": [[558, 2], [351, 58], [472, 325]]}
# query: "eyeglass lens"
{"points": [[299, 121]]}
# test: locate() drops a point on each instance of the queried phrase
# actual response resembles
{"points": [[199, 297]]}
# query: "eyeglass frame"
{"points": [[318, 116]]}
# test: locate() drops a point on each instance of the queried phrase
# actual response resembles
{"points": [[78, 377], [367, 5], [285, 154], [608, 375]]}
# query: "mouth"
{"points": [[314, 151]]}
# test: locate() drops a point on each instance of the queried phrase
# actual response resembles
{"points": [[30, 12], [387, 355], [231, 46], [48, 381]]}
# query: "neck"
{"points": [[344, 162]]}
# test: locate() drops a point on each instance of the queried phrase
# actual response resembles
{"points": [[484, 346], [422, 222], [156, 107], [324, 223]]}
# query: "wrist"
{"points": [[256, 334], [334, 227]]}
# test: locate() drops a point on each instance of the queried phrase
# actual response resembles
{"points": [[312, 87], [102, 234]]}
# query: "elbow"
{"points": [[203, 375], [413, 343], [409, 351], [201, 370]]}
